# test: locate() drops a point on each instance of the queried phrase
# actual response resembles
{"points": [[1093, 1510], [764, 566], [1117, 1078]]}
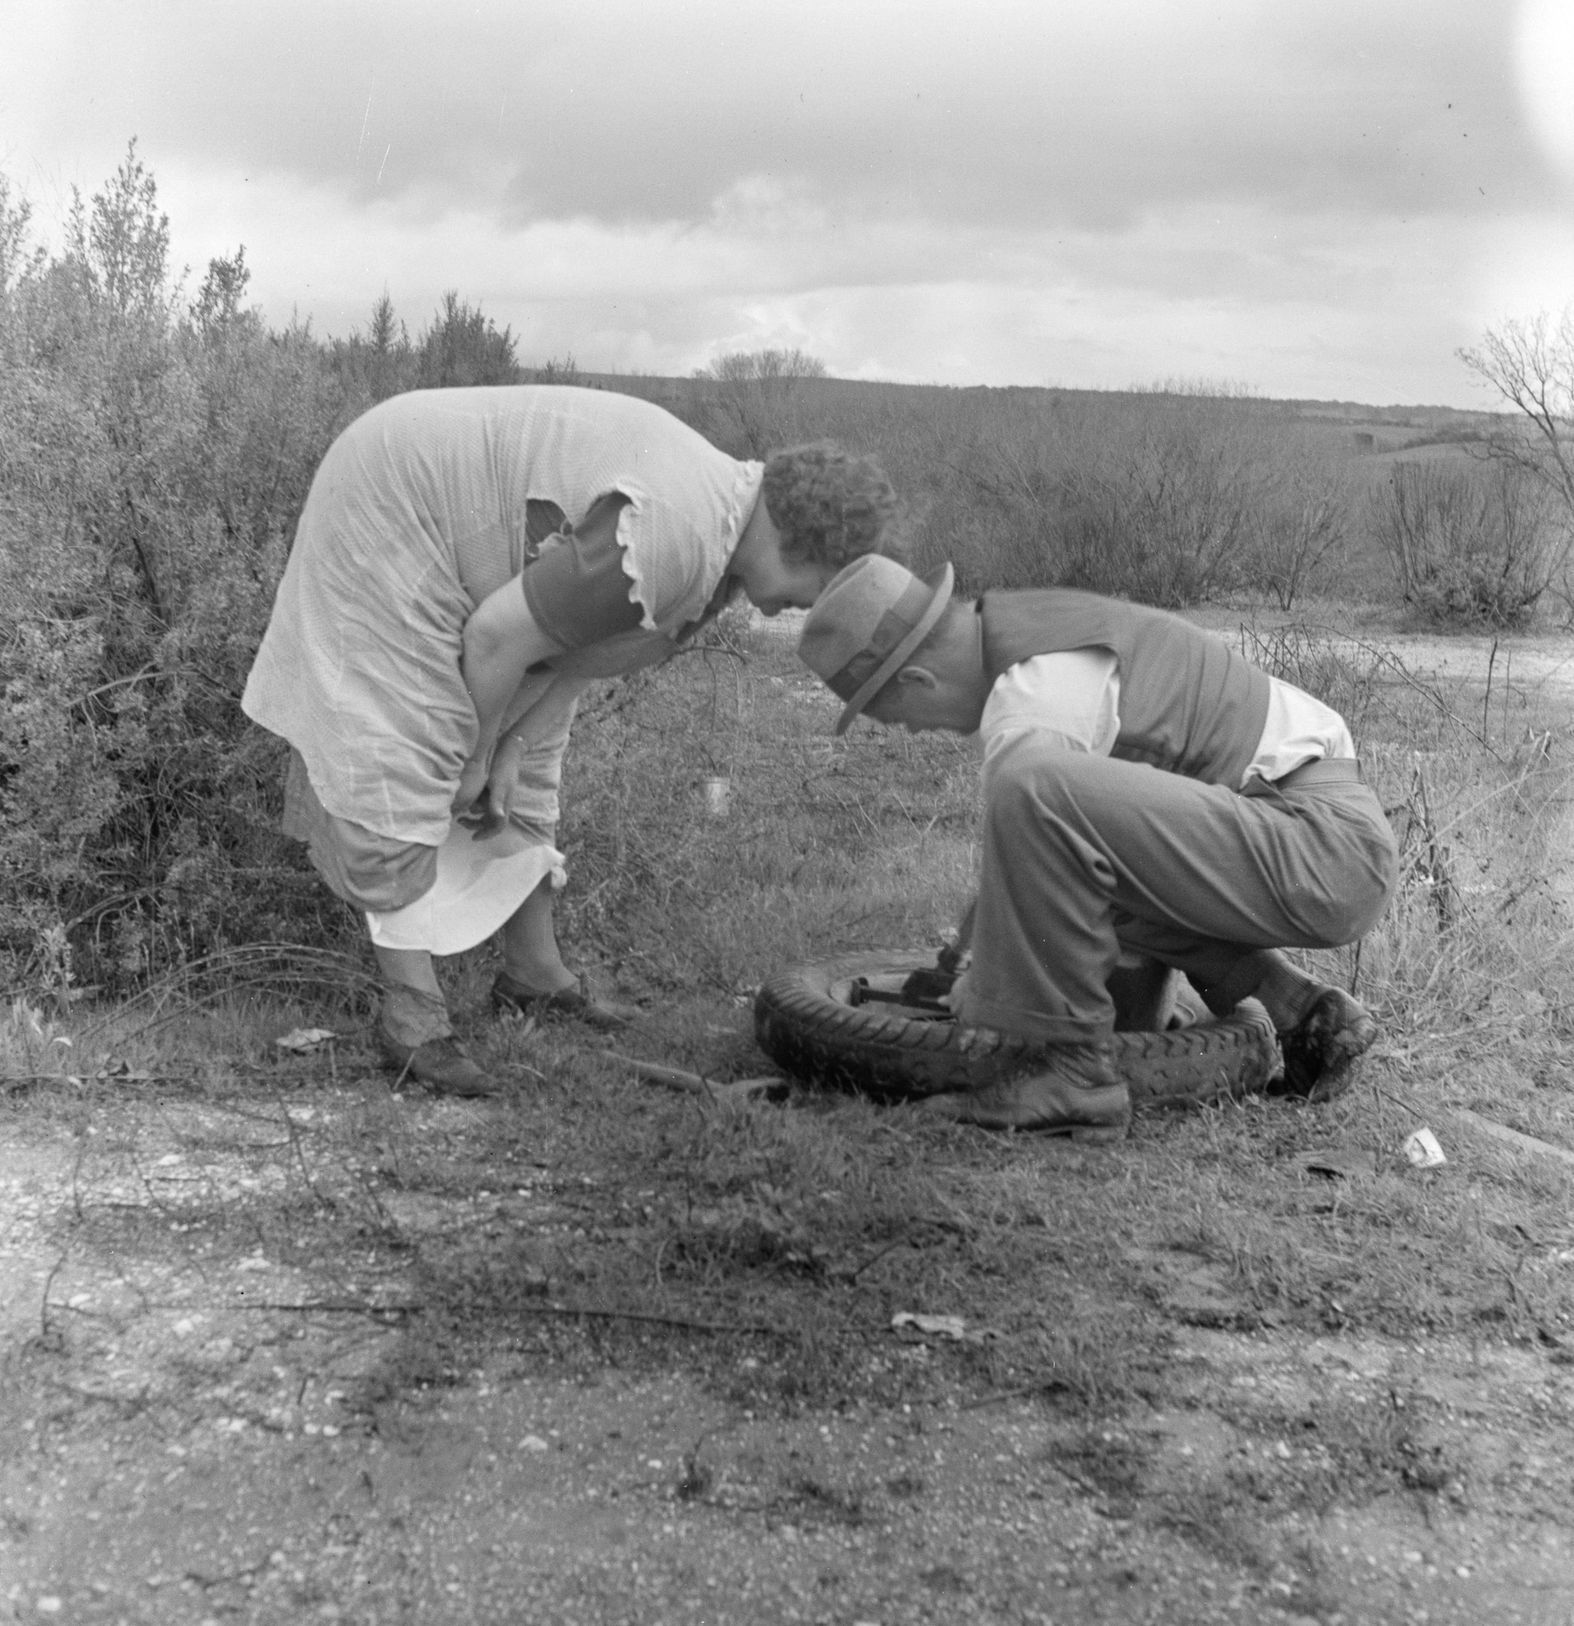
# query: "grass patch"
{"points": [[590, 1220]]}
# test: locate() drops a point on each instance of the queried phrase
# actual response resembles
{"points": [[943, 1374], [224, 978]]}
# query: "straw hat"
{"points": [[865, 625]]}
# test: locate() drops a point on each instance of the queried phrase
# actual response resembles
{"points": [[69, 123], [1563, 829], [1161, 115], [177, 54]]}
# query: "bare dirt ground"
{"points": [[197, 1429]]}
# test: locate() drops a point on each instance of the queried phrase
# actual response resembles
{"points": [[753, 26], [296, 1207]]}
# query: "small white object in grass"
{"points": [[304, 1039], [718, 796], [1423, 1150], [944, 1326]]}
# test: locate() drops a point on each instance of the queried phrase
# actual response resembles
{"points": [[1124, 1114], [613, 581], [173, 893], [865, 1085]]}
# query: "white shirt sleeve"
{"points": [[1299, 729], [1073, 695]]}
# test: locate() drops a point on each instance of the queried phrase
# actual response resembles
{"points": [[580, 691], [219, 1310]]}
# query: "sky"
{"points": [[1311, 199]]}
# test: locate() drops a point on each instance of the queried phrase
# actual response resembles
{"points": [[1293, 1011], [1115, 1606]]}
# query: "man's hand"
{"points": [[929, 985], [936, 983]]}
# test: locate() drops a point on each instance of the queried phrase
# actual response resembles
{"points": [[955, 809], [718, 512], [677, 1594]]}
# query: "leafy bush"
{"points": [[463, 347], [152, 461], [154, 457], [378, 363]]}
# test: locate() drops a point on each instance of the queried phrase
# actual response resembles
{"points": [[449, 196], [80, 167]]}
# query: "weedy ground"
{"points": [[1233, 1341]]}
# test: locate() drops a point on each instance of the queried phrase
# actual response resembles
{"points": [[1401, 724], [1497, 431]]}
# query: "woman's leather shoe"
{"points": [[575, 1003], [440, 1064]]}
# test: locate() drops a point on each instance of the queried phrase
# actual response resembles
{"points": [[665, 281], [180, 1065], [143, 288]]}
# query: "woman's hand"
{"points": [[472, 782], [491, 799]]}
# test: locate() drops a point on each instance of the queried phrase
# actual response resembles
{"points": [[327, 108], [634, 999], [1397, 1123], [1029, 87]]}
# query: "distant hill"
{"points": [[1379, 430]]}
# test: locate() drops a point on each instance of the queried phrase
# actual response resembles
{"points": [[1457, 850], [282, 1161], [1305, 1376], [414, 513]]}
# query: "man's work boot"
{"points": [[576, 1002], [1077, 1093], [1320, 1051], [1322, 1030]]}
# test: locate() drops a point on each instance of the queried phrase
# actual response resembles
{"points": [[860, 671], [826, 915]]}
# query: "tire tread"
{"points": [[808, 1032]]}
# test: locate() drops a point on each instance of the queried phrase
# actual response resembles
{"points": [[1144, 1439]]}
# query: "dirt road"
{"points": [[195, 1431]]}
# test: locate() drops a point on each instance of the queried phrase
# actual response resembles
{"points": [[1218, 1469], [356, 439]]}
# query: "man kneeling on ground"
{"points": [[1145, 789]]}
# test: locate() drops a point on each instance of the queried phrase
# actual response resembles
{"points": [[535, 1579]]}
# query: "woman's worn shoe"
{"points": [[576, 1002], [440, 1064], [1321, 1050], [1078, 1094]]}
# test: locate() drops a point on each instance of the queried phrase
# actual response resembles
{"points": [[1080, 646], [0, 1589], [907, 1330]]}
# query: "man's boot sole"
{"points": [[1321, 1051]]}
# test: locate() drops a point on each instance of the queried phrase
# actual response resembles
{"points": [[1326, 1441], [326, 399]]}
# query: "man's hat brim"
{"points": [[943, 581]]}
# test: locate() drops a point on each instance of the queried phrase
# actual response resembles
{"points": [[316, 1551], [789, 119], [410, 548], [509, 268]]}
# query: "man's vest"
{"points": [[1188, 703]]}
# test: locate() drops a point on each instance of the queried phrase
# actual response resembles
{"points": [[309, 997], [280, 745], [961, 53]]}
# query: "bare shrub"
{"points": [[1166, 498], [1004, 532], [1300, 533], [752, 402], [1161, 507], [1476, 545], [1531, 366]]}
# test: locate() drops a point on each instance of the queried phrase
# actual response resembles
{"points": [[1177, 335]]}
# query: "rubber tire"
{"points": [[805, 1021]]}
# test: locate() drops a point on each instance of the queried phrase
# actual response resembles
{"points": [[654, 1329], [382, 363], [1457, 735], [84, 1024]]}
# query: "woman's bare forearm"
{"points": [[502, 641]]}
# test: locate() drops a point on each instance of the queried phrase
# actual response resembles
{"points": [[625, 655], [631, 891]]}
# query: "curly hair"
{"points": [[830, 506]]}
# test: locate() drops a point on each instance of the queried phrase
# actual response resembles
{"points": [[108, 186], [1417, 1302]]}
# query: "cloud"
{"points": [[1544, 60], [1028, 190], [1006, 112]]}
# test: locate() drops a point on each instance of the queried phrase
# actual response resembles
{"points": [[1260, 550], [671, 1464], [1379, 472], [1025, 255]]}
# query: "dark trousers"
{"points": [[1086, 857]]}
